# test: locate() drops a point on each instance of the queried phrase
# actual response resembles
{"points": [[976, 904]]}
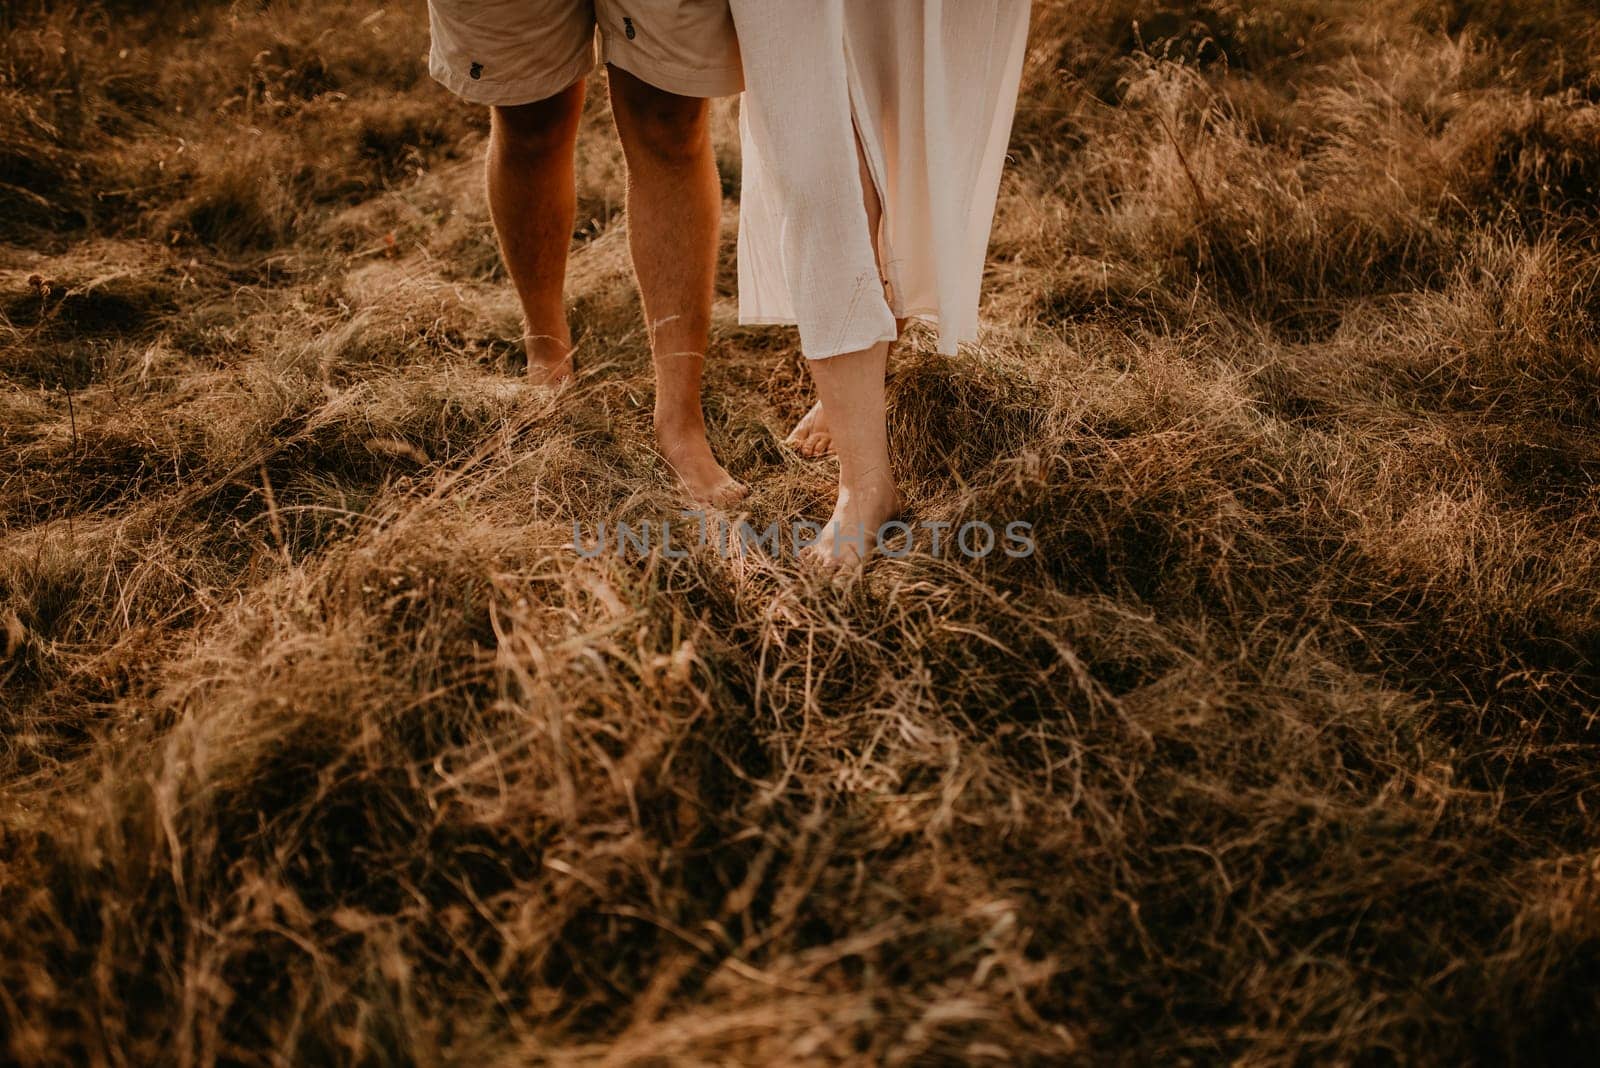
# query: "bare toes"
{"points": [[815, 558], [808, 431], [814, 446], [729, 493]]}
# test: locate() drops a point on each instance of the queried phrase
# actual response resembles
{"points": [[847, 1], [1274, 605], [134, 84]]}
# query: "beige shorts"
{"points": [[506, 52]]}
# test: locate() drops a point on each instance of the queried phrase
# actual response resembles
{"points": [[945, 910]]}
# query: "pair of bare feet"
{"points": [[850, 534]]}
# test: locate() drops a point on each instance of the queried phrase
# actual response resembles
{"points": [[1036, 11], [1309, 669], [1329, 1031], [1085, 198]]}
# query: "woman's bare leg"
{"points": [[850, 388], [811, 436]]}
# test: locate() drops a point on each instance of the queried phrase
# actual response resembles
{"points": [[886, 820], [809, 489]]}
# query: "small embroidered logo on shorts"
{"points": [[627, 27], [476, 72]]}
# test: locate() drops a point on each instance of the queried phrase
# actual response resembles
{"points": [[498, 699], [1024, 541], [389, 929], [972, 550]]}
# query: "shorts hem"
{"points": [[501, 95], [711, 82]]}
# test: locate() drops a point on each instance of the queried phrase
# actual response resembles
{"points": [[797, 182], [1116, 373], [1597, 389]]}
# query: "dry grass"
{"points": [[318, 744]]}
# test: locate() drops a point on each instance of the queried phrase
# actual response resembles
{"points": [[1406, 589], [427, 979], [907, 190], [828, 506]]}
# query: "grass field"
{"points": [[319, 744]]}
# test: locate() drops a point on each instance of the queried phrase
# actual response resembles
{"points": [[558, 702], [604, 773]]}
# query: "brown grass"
{"points": [[318, 744]]}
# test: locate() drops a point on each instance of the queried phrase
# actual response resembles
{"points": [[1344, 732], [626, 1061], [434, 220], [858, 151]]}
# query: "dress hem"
{"points": [[946, 346]]}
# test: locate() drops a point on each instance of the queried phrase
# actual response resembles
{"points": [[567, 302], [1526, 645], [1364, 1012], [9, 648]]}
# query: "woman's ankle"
{"points": [[872, 491]]}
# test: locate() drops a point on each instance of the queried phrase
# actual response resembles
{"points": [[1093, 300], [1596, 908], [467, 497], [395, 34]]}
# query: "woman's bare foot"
{"points": [[689, 455], [851, 533], [811, 437]]}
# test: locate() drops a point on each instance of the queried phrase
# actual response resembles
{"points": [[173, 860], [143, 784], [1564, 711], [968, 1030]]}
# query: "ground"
{"points": [[320, 744]]}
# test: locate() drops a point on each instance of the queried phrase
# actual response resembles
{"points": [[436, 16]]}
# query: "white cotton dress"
{"points": [[931, 86]]}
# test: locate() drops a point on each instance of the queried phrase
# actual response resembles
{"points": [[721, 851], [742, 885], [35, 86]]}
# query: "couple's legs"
{"points": [[674, 214], [674, 210]]}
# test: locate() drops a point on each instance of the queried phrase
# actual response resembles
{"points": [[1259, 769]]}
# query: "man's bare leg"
{"points": [[533, 200], [674, 215]]}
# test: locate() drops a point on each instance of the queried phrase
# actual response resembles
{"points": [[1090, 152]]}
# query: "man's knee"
{"points": [[671, 129], [533, 130]]}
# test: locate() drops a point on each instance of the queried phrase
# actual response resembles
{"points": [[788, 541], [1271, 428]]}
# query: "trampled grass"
{"points": [[320, 744]]}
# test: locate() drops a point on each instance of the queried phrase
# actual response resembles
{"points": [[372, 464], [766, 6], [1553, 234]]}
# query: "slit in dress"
{"points": [[868, 162]]}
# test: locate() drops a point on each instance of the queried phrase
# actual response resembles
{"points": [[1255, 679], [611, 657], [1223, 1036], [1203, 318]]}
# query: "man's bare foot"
{"points": [[851, 533], [689, 455], [811, 437], [550, 374], [550, 361]]}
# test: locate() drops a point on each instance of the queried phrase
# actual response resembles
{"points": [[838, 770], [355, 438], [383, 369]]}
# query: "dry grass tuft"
{"points": [[320, 744]]}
